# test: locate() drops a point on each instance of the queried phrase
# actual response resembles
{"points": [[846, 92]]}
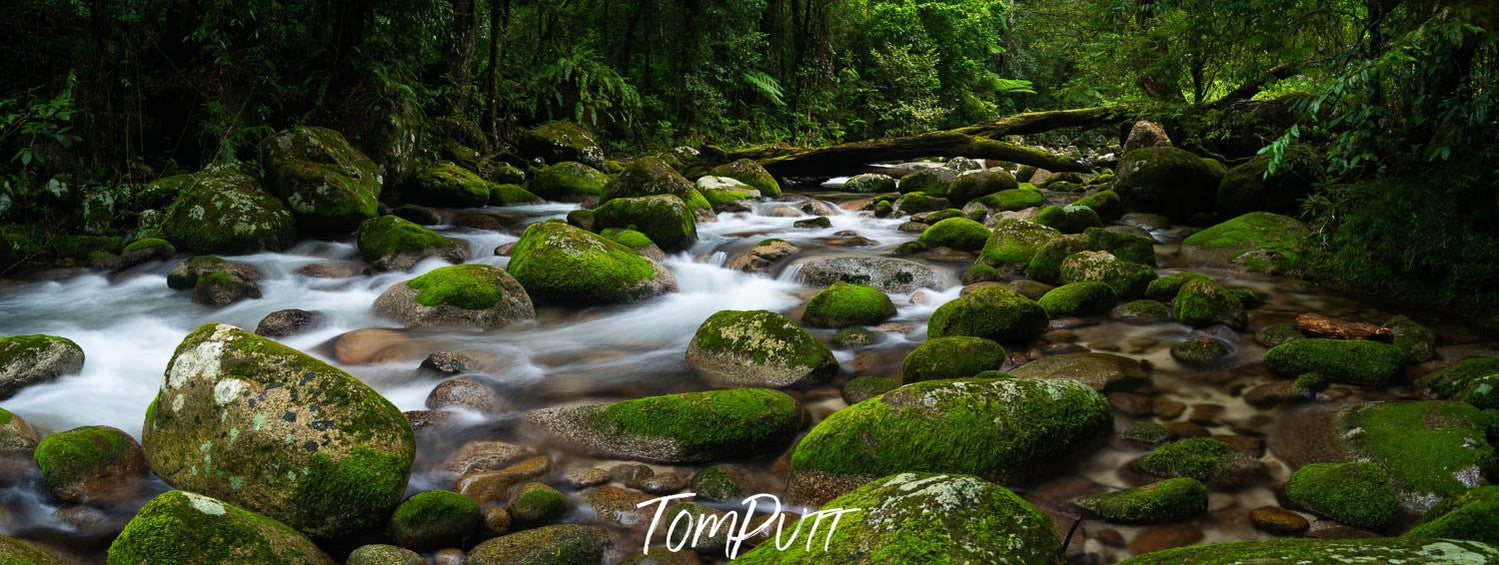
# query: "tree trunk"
{"points": [[461, 56], [499, 27]]}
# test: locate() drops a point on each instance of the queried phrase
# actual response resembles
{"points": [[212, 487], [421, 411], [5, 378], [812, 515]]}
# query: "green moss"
{"points": [[1016, 199], [859, 389], [628, 238], [664, 218], [68, 457], [1260, 241], [23, 351], [721, 198], [1276, 334], [146, 244], [1474, 380], [1433, 449], [564, 264], [1417, 343], [81, 246], [1014, 242], [1148, 433], [1046, 264], [1165, 288], [991, 312], [447, 184], [1171, 499], [1306, 550], [649, 176], [1106, 203], [1142, 312], [932, 181], [844, 304], [1247, 298], [433, 519], [1079, 298], [510, 195], [747, 418], [870, 183], [976, 184], [1474, 515], [560, 544], [957, 233], [1068, 219], [1130, 247], [389, 235], [1204, 459], [182, 527], [718, 484], [1166, 180], [328, 185], [951, 358], [226, 211], [916, 202], [1202, 350], [1202, 302], [1356, 362], [750, 173], [472, 287], [1126, 278], [537, 503], [761, 337], [853, 338], [17, 552], [568, 180], [1359, 494]]}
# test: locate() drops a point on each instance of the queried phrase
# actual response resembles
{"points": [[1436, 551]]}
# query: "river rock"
{"points": [[750, 173], [1301, 550], [931, 181], [536, 503], [559, 263], [1205, 459], [433, 519], [20, 552], [870, 183], [1145, 134], [726, 194], [561, 141], [145, 251], [951, 358], [1100, 371], [1359, 494], [1078, 299], [991, 312], [1126, 278], [1474, 380], [1172, 499], [649, 176], [1248, 187], [970, 185], [677, 428], [1434, 450], [568, 181], [380, 554], [467, 296], [843, 304], [447, 184], [389, 243], [1014, 243], [26, 360], [888, 274], [758, 348], [467, 393], [927, 517], [1203, 302], [664, 218], [328, 184], [561, 544], [1258, 242], [292, 321], [1474, 515], [1001, 429], [257, 423], [1201, 351], [1168, 181], [91, 464], [961, 234], [226, 211], [183, 527], [1355, 362], [763, 256]]}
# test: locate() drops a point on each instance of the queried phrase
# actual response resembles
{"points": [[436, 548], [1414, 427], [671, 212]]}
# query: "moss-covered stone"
{"points": [[917, 202], [1200, 351], [1131, 247], [951, 358], [1126, 278], [1166, 180], [1143, 311], [475, 295], [18, 552], [1078, 299], [147, 249], [759, 348], [1068, 219], [561, 544], [1433, 449], [183, 527], [89, 462], [1474, 515], [510, 195], [561, 141], [328, 184], [1010, 200], [859, 389], [253, 422], [844, 304], [381, 554], [726, 194], [1276, 334], [677, 428], [1100, 371], [434, 519], [568, 181], [1106, 203], [1165, 288], [750, 173], [992, 312], [649, 176], [1203, 302], [1350, 361], [1046, 265], [559, 263], [390, 243], [870, 183], [1417, 343], [962, 234], [664, 218], [29, 359], [1246, 187], [1149, 432], [1205, 459], [1474, 380], [447, 184], [1359, 494], [1370, 551], [1259, 242], [1014, 243], [928, 518], [226, 211], [1171, 499], [971, 185], [932, 181]]}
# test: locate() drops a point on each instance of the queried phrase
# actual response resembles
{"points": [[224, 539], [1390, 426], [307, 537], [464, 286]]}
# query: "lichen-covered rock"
{"points": [[992, 312], [472, 296], [1368, 551], [1203, 302], [226, 211], [664, 218], [328, 184], [1046, 265], [221, 288], [29, 359], [859, 389], [951, 358], [889, 274], [1166, 180], [389, 243], [928, 518], [971, 185], [750, 173], [1100, 371], [183, 527], [1131, 247], [999, 429], [961, 234], [1068, 219], [870, 183], [649, 176], [1350, 361], [758, 348], [1433, 449], [1474, 515], [1205, 459], [1414, 340], [253, 422], [561, 544], [562, 141], [1258, 242], [1171, 499], [1359, 494], [1126, 278], [1200, 351], [433, 519], [1474, 380], [1078, 299], [91, 463], [447, 184], [677, 428], [1246, 189], [559, 263], [843, 304], [726, 194], [932, 181], [568, 181], [186, 274]]}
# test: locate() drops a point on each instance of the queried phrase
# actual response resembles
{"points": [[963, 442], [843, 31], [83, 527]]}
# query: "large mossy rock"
{"points": [[568, 181], [1100, 371], [843, 304], [758, 348], [245, 419], [1365, 551], [1474, 380], [689, 427], [1168, 181], [562, 141], [1008, 200], [1203, 458], [932, 181], [91, 463], [870, 183], [1128, 280], [1350, 361], [434, 519], [961, 234], [1201, 302], [1258, 242], [750, 173], [951, 358], [1172, 499], [183, 527], [999, 429], [1474, 515], [928, 518], [1246, 189], [650, 176], [1078, 299], [467, 296], [1433, 449], [1359, 494], [390, 243], [446, 184], [227, 212], [26, 360], [972, 185], [328, 184], [991, 312], [664, 218], [559, 263], [562, 544]]}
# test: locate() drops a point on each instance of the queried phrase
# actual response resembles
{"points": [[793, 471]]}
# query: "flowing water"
{"points": [[129, 323]]}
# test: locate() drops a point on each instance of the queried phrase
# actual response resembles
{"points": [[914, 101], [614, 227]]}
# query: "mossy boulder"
{"points": [[971, 185], [561, 544], [726, 194], [1370, 551], [1127, 279], [1247, 188], [510, 195], [256, 423], [1166, 288], [227, 212], [1474, 380], [1258, 242], [1106, 203], [447, 184], [1010, 200], [1201, 351], [468, 296], [889, 274], [537, 503], [677, 428], [951, 358], [568, 181], [992, 312], [1068, 219], [381, 554], [932, 181], [870, 183], [1144, 311], [917, 202], [19, 552], [1433, 449], [1000, 429], [758, 348], [721, 483], [1100, 371], [928, 518], [91, 463], [561, 141], [750, 173], [559, 263], [1131, 247], [1276, 334], [666, 219], [1078, 299], [1202, 458], [1203, 302], [146, 250], [1359, 494], [649, 176], [390, 243], [185, 275], [843, 304], [859, 389], [434, 519], [1473, 515], [1167, 181], [1046, 265], [1350, 361], [183, 527], [961, 234], [328, 184], [1417, 343], [1172, 499], [26, 360], [1014, 243]]}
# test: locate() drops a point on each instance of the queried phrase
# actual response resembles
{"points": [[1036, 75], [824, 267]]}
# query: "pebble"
{"points": [[1278, 521]]}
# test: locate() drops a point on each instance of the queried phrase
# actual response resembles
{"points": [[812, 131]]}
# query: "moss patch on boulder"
{"points": [[568, 181], [1359, 494], [434, 519], [677, 428], [1014, 243], [91, 462], [758, 348], [1168, 181], [328, 184], [1078, 299], [664, 218], [390, 243], [750, 173], [992, 312], [844, 304], [562, 141], [1259, 242], [961, 234], [1172, 499], [559, 263], [1474, 515], [227, 212], [1126, 278], [951, 358], [1300, 550], [29, 359], [1433, 449], [561, 544], [480, 296], [1474, 380], [1350, 361], [183, 527], [1203, 302]]}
